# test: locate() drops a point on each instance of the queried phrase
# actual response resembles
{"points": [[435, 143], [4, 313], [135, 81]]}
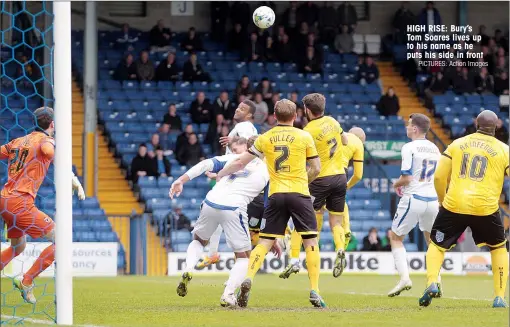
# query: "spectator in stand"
{"points": [[280, 32], [488, 58], [219, 17], [465, 83], [403, 18], [172, 118], [388, 104], [500, 53], [311, 41], [178, 220], [501, 40], [165, 139], [501, 132], [328, 22], [301, 120], [152, 145], [284, 50], [265, 88], [253, 51], [220, 130], [262, 35], [493, 47], [141, 165], [269, 50], [501, 84], [237, 38], [201, 110], [262, 110], [485, 38], [222, 106], [270, 123], [385, 242], [308, 12], [144, 67], [294, 98], [438, 85], [368, 72], [192, 153], [193, 71], [411, 68], [161, 165], [347, 15], [311, 63], [167, 69], [160, 37], [244, 87], [429, 16], [274, 99], [470, 129], [291, 19], [182, 139], [372, 242], [127, 39], [126, 70], [344, 42], [484, 82], [192, 42], [501, 66]]}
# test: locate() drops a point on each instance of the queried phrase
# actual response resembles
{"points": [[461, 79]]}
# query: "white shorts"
{"points": [[413, 210], [233, 222]]}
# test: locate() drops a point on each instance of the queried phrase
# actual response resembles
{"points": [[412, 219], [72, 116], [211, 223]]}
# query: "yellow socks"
{"points": [[499, 258], [256, 259], [347, 239], [320, 221], [434, 259], [313, 266], [338, 237], [295, 244]]}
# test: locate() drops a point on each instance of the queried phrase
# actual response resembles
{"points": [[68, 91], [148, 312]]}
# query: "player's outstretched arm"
{"points": [[442, 176], [78, 188], [314, 168], [236, 165], [213, 164]]}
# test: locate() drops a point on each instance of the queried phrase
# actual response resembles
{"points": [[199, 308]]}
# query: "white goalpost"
{"points": [[63, 161]]}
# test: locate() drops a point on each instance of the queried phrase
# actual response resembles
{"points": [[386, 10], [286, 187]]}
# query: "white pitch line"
{"points": [[44, 322]]}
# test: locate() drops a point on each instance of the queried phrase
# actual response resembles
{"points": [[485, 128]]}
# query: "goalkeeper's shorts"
{"points": [[23, 218]]}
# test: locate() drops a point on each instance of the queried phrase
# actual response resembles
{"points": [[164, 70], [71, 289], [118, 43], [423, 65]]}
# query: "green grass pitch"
{"points": [[353, 300]]}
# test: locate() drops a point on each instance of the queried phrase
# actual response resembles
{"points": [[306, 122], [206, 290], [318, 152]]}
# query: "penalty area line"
{"points": [[39, 321]]}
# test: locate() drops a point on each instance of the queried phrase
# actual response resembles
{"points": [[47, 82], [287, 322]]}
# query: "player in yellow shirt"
{"points": [[355, 151], [287, 150], [476, 166]]}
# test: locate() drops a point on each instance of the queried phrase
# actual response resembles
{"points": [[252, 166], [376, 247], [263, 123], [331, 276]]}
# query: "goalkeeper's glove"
{"points": [[78, 188]]}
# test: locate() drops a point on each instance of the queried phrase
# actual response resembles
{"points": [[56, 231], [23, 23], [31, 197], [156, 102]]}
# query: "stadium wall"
{"points": [[455, 263], [98, 259], [493, 14]]}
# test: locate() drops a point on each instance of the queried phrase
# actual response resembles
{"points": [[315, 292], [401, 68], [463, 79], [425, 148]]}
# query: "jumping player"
{"points": [[225, 205], [354, 150], [29, 159], [475, 166], [418, 204], [244, 128], [329, 188], [287, 150]]}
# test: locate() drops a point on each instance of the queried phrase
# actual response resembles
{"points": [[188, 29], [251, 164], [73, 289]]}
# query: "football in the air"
{"points": [[263, 17]]}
